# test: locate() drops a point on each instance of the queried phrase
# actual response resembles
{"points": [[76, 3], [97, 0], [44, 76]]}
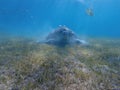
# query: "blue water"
{"points": [[39, 17]]}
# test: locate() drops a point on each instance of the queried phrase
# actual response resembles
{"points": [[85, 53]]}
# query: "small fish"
{"points": [[89, 12]]}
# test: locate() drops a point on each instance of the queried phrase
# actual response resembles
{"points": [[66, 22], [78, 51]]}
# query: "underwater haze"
{"points": [[59, 44], [36, 18]]}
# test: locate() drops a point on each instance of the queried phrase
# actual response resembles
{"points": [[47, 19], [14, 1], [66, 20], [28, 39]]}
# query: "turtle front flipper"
{"points": [[51, 41]]}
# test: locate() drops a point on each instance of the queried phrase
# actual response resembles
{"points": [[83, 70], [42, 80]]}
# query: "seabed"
{"points": [[26, 65]]}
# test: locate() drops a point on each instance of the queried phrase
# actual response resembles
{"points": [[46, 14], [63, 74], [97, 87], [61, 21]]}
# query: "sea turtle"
{"points": [[63, 36]]}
